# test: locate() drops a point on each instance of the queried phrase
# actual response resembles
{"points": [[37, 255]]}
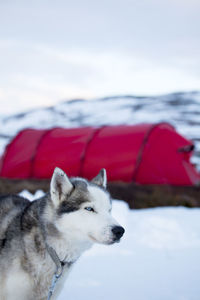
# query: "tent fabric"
{"points": [[144, 153]]}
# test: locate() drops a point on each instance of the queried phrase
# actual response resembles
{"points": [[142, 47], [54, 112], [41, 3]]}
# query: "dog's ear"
{"points": [[101, 179], [60, 186]]}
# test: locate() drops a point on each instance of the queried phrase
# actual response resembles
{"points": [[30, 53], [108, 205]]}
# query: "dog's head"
{"points": [[83, 209]]}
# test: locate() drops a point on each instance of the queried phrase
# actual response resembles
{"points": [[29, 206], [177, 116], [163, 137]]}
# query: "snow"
{"points": [[157, 259]]}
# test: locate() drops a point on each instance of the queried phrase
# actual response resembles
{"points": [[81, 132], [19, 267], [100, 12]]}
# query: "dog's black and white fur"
{"points": [[74, 215]]}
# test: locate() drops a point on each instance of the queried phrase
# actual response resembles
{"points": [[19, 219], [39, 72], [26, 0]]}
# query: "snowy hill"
{"points": [[180, 109]]}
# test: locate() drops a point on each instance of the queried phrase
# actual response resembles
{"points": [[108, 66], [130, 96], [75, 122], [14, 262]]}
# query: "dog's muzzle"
{"points": [[118, 232]]}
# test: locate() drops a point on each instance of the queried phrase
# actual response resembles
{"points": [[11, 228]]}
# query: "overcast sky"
{"points": [[56, 50]]}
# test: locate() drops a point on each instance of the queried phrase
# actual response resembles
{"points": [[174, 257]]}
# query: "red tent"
{"points": [[145, 153]]}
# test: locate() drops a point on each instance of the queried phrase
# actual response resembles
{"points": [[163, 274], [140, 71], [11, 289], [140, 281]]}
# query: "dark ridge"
{"points": [[4, 136], [126, 97], [72, 101]]}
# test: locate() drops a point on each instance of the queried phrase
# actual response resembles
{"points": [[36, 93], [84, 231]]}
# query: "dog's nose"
{"points": [[118, 231]]}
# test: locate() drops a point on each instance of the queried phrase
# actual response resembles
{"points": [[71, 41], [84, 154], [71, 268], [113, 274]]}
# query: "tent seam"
{"points": [[84, 153], [47, 131], [141, 150], [4, 156]]}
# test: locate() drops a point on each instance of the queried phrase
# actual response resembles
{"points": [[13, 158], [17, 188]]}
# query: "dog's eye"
{"points": [[89, 208]]}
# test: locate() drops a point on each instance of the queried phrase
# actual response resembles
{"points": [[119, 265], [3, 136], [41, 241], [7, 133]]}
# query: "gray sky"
{"points": [[55, 50]]}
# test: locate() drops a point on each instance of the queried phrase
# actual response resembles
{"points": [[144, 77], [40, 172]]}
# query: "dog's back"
{"points": [[10, 207], [12, 277]]}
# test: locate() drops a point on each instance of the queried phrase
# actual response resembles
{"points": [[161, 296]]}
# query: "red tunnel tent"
{"points": [[145, 153]]}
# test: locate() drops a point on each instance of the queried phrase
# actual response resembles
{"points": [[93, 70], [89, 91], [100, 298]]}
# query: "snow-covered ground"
{"points": [[158, 258]]}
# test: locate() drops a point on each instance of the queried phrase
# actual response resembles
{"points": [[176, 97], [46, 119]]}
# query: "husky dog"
{"points": [[36, 237]]}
